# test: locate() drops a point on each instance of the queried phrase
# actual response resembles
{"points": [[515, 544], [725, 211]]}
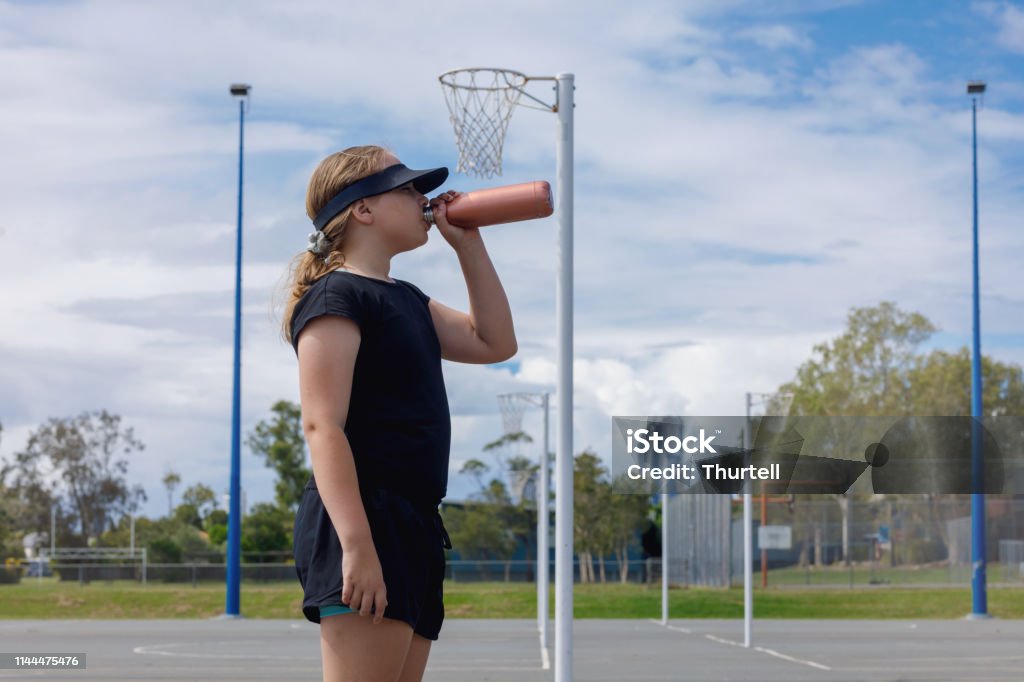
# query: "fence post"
{"points": [[193, 576], [144, 565]]}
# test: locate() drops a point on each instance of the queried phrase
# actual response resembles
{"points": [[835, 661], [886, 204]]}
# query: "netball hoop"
{"points": [[512, 406], [480, 103], [512, 409]]}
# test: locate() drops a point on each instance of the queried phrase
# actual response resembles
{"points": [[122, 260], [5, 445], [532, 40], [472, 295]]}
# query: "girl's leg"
{"points": [[416, 659], [353, 648]]}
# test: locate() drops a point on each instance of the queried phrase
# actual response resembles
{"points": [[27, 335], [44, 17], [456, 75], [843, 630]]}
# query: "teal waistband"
{"points": [[334, 610]]}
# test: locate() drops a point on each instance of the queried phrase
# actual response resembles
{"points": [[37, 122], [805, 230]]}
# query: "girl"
{"points": [[369, 543]]}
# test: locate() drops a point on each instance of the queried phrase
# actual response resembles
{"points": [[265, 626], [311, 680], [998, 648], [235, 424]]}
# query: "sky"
{"points": [[746, 172]]}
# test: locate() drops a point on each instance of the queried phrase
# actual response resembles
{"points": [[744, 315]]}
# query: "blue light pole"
{"points": [[979, 602], [234, 566]]}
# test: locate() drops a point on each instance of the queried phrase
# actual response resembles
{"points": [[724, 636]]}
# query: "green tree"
{"points": [[476, 469], [171, 480], [864, 371], [477, 531], [875, 368], [166, 538], [281, 443], [486, 527], [27, 506], [591, 500], [518, 470], [8, 517], [627, 517], [164, 551], [267, 528], [941, 383], [197, 502], [518, 520], [188, 514], [201, 497], [217, 516], [216, 526], [489, 524], [508, 439], [81, 463], [521, 471]]}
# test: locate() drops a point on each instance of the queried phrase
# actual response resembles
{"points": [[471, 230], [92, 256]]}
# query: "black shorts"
{"points": [[410, 541]]}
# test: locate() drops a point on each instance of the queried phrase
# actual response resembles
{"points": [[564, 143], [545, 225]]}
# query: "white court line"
{"points": [[763, 650], [722, 640], [488, 669], [671, 627], [813, 664], [153, 650], [771, 652]]}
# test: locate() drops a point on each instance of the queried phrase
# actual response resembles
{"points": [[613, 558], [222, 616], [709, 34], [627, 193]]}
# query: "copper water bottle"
{"points": [[499, 205]]}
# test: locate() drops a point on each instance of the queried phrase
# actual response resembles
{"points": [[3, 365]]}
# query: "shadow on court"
{"points": [[508, 650]]}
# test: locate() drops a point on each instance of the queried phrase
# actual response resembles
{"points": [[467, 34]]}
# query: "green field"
{"points": [[864, 575], [52, 599]]}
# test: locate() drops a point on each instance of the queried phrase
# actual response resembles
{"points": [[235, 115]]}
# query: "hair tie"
{"points": [[318, 243]]}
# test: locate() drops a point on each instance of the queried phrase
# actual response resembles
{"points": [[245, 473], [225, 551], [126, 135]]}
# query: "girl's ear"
{"points": [[361, 212]]}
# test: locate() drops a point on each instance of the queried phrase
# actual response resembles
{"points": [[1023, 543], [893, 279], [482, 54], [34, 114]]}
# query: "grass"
{"points": [[49, 598], [500, 600], [864, 574], [100, 600]]}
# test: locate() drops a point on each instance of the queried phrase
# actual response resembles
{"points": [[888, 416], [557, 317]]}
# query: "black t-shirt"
{"points": [[398, 423]]}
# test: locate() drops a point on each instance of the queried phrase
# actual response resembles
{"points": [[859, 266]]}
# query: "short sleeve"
{"points": [[416, 290], [330, 295]]}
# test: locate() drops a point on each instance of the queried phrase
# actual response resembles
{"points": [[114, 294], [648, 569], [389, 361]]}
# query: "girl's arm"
{"points": [[327, 351], [486, 334]]}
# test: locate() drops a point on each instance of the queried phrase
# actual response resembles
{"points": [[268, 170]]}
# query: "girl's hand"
{"points": [[454, 235], [363, 581]]}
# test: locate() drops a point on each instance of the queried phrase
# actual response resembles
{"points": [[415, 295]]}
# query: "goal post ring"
{"points": [[480, 102], [451, 78]]}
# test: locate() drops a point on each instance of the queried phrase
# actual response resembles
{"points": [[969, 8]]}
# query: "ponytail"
{"points": [[333, 174]]}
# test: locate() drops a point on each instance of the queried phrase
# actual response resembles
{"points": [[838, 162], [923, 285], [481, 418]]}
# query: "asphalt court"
{"points": [[507, 650]]}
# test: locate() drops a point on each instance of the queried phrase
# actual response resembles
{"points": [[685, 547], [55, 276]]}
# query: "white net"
{"points": [[512, 409], [480, 104]]}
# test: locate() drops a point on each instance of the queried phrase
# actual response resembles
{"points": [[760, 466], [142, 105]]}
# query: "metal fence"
{"points": [[459, 571], [920, 540], [901, 541], [699, 550], [1011, 558]]}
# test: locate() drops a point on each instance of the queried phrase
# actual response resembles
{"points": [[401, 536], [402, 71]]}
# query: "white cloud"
{"points": [[728, 210], [775, 37], [1009, 20]]}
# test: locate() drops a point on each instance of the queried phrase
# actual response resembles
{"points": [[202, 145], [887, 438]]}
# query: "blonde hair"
{"points": [[334, 173]]}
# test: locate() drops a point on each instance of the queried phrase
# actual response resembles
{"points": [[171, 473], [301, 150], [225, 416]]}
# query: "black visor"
{"points": [[386, 180]]}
